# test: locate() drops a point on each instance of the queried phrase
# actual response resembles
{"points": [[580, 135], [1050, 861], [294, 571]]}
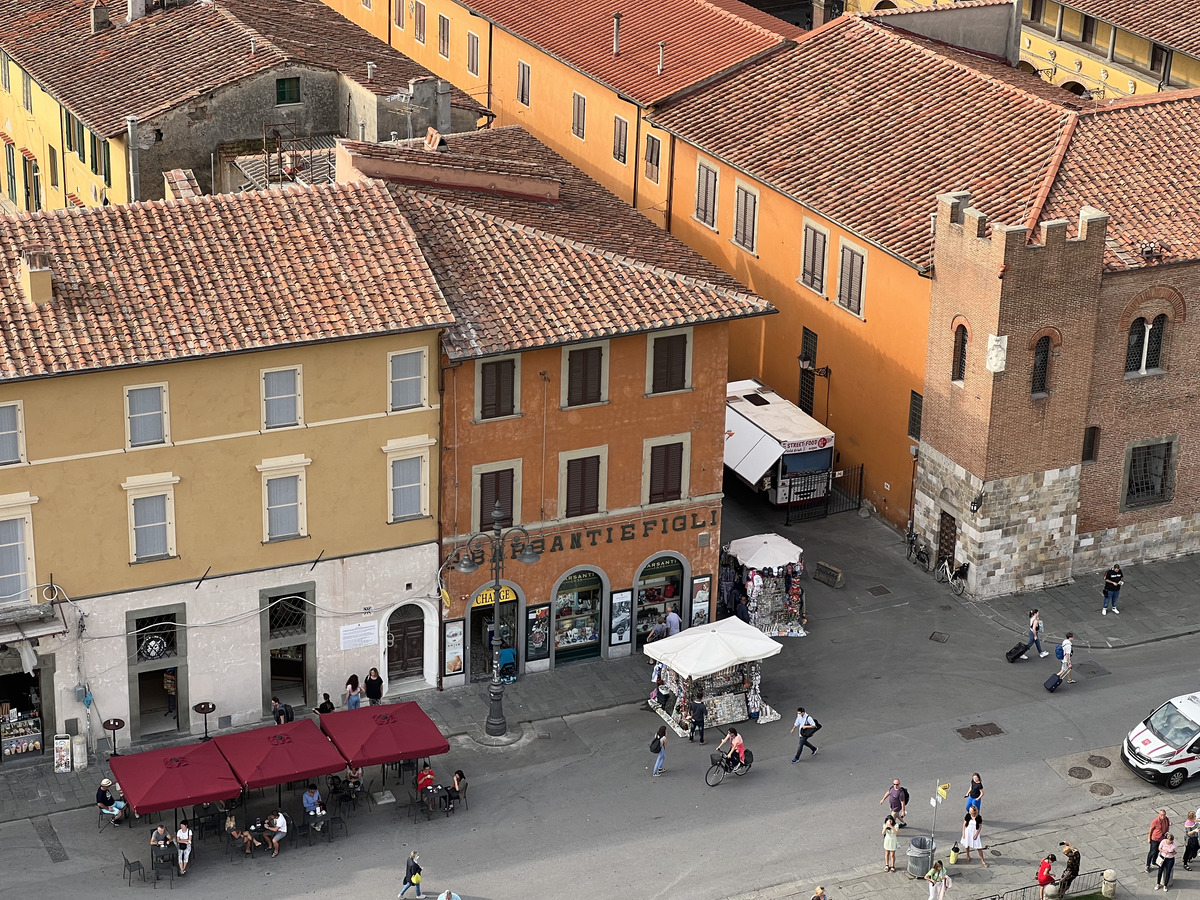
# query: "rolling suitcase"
{"points": [[1016, 652], [1053, 682]]}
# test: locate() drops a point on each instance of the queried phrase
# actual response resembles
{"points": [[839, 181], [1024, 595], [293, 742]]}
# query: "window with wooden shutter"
{"points": [[419, 22], [850, 281], [620, 139], [584, 376], [496, 389], [579, 116], [583, 486], [653, 152], [670, 364], [495, 486], [666, 472], [745, 219], [812, 273], [706, 195], [523, 79]]}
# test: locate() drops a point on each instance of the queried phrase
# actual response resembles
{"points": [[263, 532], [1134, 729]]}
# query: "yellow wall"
{"points": [[75, 444], [876, 360]]}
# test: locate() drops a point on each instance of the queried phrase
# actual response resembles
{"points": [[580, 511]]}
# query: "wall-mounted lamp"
{"points": [[977, 503]]}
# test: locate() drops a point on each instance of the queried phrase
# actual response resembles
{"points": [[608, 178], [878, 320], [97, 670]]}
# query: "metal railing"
{"points": [[1086, 883]]}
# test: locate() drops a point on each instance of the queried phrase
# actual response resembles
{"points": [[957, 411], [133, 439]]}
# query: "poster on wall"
{"points": [[362, 634], [453, 641], [701, 591], [537, 633], [622, 621]]}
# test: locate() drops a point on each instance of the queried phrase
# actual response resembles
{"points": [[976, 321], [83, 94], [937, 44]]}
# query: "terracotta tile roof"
{"points": [[1173, 23], [703, 38], [178, 54], [1139, 161], [869, 124], [955, 4], [161, 281], [182, 183]]}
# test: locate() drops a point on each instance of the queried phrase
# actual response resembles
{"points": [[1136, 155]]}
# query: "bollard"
{"points": [[1109, 887]]}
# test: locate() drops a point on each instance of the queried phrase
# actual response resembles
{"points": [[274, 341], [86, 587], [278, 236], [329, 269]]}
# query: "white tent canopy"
{"points": [[704, 649], [765, 551]]}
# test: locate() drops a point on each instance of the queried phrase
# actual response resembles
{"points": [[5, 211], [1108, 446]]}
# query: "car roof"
{"points": [[1189, 705]]}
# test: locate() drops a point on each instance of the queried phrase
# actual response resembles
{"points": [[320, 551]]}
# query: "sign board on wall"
{"points": [[621, 628], [363, 634], [454, 647], [488, 597]]}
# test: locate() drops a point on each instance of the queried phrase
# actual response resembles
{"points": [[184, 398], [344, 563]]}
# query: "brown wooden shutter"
{"points": [[666, 472], [850, 281], [493, 486], [496, 385], [670, 364], [584, 368], [583, 486]]}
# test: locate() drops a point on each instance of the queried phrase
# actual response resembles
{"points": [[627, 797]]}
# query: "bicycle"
{"points": [[722, 765], [918, 550], [957, 577]]}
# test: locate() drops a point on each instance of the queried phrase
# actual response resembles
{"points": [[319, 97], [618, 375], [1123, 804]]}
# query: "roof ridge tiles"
{"points": [[953, 4], [1159, 97]]}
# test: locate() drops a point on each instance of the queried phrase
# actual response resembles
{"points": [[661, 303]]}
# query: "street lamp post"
{"points": [[493, 546]]}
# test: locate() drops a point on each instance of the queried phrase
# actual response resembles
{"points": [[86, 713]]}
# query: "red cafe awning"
{"points": [[374, 735], [275, 754], [175, 777]]}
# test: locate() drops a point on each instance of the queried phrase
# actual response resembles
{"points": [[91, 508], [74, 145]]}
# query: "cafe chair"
{"points": [[336, 819], [204, 823], [163, 862], [304, 829], [131, 867], [462, 799], [235, 849], [368, 794]]}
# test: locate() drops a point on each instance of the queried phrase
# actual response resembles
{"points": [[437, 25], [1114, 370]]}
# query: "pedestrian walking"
{"points": [[808, 727], [972, 833], [1158, 829], [373, 687], [1166, 861], [1044, 876], [659, 746], [819, 893], [1191, 834], [1067, 646], [353, 693], [974, 794], [1035, 634], [674, 623], [891, 843], [897, 800], [934, 876], [1113, 579], [1072, 869], [412, 874], [698, 711]]}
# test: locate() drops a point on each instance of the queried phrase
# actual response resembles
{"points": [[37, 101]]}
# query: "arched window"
{"points": [[958, 368], [1137, 339], [1145, 344], [1041, 365], [1154, 342]]}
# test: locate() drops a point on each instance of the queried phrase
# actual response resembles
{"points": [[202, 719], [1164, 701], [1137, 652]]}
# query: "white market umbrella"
{"points": [[765, 551], [704, 649]]}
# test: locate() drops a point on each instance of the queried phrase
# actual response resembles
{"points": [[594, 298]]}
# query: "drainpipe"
{"points": [[131, 150]]}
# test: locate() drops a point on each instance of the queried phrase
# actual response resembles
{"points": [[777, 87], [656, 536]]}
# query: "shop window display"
{"points": [[577, 609], [657, 592], [20, 716]]}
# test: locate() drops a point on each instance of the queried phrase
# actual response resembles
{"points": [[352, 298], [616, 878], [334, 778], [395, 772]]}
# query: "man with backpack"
{"points": [[281, 712], [897, 799]]}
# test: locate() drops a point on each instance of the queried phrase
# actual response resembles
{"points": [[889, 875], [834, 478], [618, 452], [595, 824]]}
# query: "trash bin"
{"points": [[79, 752], [920, 856]]}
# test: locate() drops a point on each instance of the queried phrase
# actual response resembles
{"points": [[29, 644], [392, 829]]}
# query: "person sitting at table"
{"points": [[276, 831], [325, 707], [246, 838], [109, 806], [354, 777], [426, 778], [311, 798], [183, 839], [160, 837], [452, 792]]}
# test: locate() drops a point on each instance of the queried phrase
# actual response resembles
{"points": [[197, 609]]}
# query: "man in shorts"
{"points": [[109, 806], [895, 799]]}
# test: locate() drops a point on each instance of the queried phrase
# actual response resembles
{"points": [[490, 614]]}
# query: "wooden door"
{"points": [[406, 643], [947, 537]]}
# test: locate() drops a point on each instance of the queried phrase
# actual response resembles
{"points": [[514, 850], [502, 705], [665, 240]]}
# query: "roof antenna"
{"points": [[662, 54], [616, 34]]}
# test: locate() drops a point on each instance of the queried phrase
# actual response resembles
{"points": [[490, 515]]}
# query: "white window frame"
{"points": [[579, 101], [816, 226], [565, 379], [499, 466], [648, 444], [524, 73], [262, 390], [716, 207], [422, 20], [285, 467], [20, 506], [625, 148], [473, 53], [843, 243], [424, 404], [687, 366], [443, 39], [479, 363], [139, 487], [565, 457], [165, 413], [739, 188], [415, 447], [21, 457]]}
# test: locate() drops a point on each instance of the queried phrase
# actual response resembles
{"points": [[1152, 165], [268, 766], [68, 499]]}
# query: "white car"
{"points": [[1166, 746]]}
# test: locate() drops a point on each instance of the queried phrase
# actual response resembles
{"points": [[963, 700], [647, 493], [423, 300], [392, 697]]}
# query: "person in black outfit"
{"points": [[743, 611], [373, 686], [698, 712]]}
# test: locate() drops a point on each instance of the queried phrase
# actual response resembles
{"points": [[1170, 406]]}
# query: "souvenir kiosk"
{"points": [[720, 663]]}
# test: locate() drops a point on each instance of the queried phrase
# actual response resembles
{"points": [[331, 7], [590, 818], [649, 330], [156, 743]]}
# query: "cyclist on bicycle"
{"points": [[736, 746]]}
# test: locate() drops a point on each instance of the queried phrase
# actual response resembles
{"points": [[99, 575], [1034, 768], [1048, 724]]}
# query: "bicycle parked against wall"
{"points": [[918, 549], [957, 577]]}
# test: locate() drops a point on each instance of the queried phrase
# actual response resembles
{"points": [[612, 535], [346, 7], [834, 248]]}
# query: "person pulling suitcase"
{"points": [[1063, 652]]}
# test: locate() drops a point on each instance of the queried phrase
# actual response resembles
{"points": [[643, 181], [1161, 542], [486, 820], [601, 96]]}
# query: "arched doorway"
{"points": [[492, 626], [1074, 87], [578, 617], [884, 4], [406, 643], [658, 588]]}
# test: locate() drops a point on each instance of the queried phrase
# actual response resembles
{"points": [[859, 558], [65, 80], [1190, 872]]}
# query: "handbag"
{"points": [[810, 730], [416, 879], [1161, 859]]}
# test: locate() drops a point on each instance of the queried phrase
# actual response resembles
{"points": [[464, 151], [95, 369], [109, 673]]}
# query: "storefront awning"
{"points": [[704, 649], [175, 777], [375, 735], [276, 754], [22, 623]]}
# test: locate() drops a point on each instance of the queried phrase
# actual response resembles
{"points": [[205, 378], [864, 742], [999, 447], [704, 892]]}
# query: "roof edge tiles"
{"points": [[955, 4]]}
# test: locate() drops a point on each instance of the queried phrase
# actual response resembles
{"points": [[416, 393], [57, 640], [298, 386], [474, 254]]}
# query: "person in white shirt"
{"points": [[276, 832], [1065, 671], [183, 838], [808, 727]]}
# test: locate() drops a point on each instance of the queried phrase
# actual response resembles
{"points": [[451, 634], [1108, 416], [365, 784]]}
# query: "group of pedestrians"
{"points": [[1162, 847]]}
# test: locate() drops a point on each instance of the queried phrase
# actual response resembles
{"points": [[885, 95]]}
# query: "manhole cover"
{"points": [[1091, 669], [994, 852], [878, 591], [947, 607], [974, 732], [940, 636], [1079, 772], [1100, 762], [1100, 789]]}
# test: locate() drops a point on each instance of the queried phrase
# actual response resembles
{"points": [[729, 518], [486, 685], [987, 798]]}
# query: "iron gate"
{"points": [[815, 495]]}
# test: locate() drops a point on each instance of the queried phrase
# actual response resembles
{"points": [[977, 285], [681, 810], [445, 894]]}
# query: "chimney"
{"points": [[371, 67], [37, 281], [100, 19], [616, 34], [362, 130], [137, 9], [131, 149], [662, 55], [443, 106], [253, 45]]}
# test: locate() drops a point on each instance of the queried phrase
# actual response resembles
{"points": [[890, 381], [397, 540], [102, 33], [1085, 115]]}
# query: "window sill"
{"points": [[404, 519], [480, 421], [584, 405], [713, 227], [744, 248], [848, 311], [285, 539], [131, 447], [958, 383], [686, 390], [655, 503], [1040, 395], [812, 289], [1145, 504], [285, 105], [1088, 462], [153, 559], [289, 425], [1149, 373], [408, 409]]}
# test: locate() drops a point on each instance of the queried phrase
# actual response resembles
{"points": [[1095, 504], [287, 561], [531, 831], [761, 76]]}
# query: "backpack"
{"points": [[656, 745], [1058, 652], [289, 714], [904, 795]]}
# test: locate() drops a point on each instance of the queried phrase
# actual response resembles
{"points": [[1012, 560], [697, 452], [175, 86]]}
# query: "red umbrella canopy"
{"points": [[374, 735], [275, 754], [175, 777]]}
